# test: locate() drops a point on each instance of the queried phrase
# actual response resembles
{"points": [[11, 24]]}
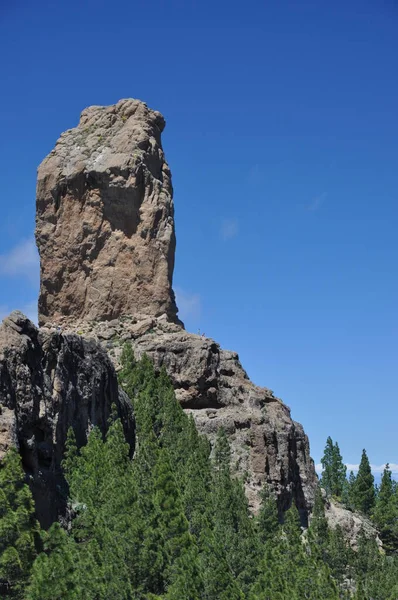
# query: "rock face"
{"points": [[49, 382], [352, 524], [267, 445], [105, 218], [105, 233]]}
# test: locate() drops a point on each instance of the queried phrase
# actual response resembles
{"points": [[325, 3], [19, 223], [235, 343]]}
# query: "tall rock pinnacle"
{"points": [[105, 233], [105, 218]]}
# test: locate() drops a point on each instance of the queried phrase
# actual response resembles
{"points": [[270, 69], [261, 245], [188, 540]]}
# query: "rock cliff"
{"points": [[267, 445], [105, 218], [49, 382], [105, 233], [211, 384]]}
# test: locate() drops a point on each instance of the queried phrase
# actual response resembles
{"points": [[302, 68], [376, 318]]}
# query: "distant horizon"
{"points": [[377, 471]]}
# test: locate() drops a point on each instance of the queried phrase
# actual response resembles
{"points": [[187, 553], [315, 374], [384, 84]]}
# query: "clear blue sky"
{"points": [[281, 134]]}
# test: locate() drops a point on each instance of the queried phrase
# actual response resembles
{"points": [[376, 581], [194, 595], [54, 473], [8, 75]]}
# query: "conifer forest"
{"points": [[172, 521]]}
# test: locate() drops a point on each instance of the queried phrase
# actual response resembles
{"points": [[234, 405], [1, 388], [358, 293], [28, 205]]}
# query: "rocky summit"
{"points": [[105, 218], [105, 233]]}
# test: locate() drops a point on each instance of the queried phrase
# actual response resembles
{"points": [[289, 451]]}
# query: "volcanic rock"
{"points": [[105, 218], [210, 383], [352, 524], [105, 233], [49, 382]]}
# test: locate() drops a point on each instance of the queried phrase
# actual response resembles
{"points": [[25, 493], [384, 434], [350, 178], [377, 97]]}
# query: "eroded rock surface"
{"points": [[48, 382], [105, 233], [352, 524], [267, 445], [105, 218]]}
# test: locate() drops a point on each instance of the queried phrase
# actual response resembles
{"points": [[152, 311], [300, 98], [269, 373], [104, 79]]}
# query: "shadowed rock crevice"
{"points": [[48, 383]]}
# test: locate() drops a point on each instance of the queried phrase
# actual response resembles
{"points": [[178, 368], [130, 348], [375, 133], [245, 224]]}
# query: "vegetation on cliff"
{"points": [[171, 523]]}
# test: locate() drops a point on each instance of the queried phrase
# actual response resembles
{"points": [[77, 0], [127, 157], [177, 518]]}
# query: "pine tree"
{"points": [[363, 492], [319, 526], [55, 572], [100, 550], [267, 519], [339, 471], [307, 575], [386, 512], [172, 524], [271, 582], [19, 531], [338, 554], [71, 453], [150, 556], [218, 580], [348, 491], [233, 527], [334, 470], [186, 577]]}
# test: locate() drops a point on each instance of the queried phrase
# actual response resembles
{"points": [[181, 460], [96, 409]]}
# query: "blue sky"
{"points": [[282, 138]]}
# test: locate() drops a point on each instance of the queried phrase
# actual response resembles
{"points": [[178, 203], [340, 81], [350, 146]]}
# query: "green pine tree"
{"points": [[233, 527], [55, 573], [334, 470], [363, 492], [348, 491], [386, 512], [267, 519], [319, 526], [19, 530]]}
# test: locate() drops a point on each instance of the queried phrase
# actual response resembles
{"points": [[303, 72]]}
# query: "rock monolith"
{"points": [[105, 218]]}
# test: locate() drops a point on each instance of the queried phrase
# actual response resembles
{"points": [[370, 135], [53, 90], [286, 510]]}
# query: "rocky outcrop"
{"points": [[352, 524], [105, 233], [210, 383], [49, 382], [105, 218]]}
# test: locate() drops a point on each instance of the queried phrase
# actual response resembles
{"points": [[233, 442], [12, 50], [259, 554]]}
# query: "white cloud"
{"points": [[21, 261], [229, 229], [189, 304], [375, 468], [317, 202]]}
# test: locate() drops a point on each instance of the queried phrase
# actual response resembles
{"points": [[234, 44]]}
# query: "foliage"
{"points": [[172, 523], [363, 491], [386, 511], [334, 470], [19, 530]]}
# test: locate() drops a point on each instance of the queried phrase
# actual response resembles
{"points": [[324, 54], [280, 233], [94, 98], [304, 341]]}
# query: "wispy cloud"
{"points": [[29, 309], [317, 202], [21, 261], [189, 304], [375, 468], [229, 229]]}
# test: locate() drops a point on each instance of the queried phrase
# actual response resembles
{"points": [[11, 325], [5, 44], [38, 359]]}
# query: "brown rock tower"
{"points": [[105, 218]]}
